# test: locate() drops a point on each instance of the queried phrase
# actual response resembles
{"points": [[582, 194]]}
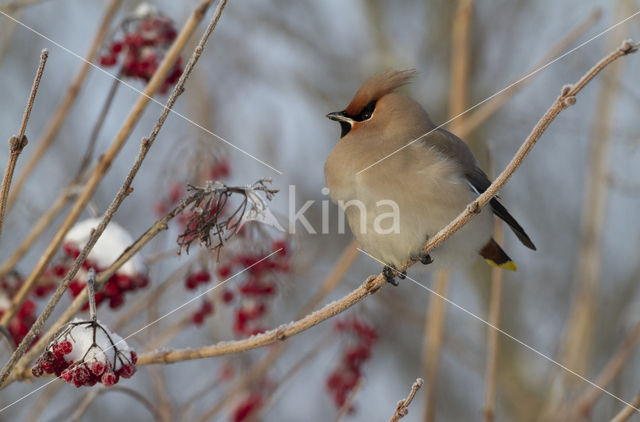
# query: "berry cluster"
{"points": [[217, 171], [345, 376], [144, 42], [114, 240], [193, 280], [205, 309], [258, 288], [85, 353], [114, 289], [26, 315]]}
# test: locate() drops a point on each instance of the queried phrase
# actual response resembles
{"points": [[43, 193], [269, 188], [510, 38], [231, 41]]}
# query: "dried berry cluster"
{"points": [[144, 43], [217, 171], [114, 289], [345, 376], [25, 317], [258, 288], [85, 353]]}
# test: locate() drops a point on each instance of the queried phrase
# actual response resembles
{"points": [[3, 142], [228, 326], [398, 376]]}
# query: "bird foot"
{"points": [[424, 258], [389, 276]]}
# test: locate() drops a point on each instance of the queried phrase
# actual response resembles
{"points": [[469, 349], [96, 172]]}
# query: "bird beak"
{"points": [[339, 116]]}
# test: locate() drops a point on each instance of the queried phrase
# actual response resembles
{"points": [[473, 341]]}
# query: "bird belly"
{"points": [[422, 210]]}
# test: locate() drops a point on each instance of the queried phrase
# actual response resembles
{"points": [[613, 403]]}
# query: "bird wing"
{"points": [[454, 148]]}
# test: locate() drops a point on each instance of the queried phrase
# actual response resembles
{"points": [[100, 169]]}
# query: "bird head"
{"points": [[363, 105]]}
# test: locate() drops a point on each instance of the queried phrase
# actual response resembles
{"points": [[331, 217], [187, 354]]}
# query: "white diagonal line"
{"points": [[151, 323], [139, 92], [527, 76], [520, 342]]}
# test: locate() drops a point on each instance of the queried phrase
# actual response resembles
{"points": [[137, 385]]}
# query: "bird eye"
{"points": [[367, 112]]}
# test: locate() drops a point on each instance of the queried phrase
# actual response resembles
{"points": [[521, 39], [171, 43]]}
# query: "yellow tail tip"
{"points": [[509, 265]]}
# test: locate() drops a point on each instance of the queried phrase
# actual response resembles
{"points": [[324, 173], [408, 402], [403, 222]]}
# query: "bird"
{"points": [[393, 164]]}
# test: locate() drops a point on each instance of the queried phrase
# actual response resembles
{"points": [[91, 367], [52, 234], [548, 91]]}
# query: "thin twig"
{"points": [[403, 405], [575, 349], [374, 283], [125, 189], [62, 110], [17, 143]]}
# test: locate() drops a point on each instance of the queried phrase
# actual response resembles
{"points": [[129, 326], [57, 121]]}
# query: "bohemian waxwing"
{"points": [[397, 192]]}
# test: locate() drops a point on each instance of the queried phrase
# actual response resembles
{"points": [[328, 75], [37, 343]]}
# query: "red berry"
{"points": [[66, 375], [227, 296], [36, 370], [27, 309], [202, 277], [97, 367], [116, 301], [198, 318], [224, 271], [80, 375], [109, 379], [134, 357], [116, 47], [127, 371], [191, 282], [280, 246]]}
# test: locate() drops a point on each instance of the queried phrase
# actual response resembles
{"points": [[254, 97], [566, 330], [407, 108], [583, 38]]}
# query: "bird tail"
{"points": [[494, 255]]}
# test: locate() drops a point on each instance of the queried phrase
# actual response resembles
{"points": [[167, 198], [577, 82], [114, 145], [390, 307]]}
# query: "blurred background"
{"points": [[270, 73]]}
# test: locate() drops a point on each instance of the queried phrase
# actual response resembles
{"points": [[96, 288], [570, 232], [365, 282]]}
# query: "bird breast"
{"points": [[425, 189]]}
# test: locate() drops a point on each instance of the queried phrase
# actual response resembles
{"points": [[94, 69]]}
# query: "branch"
{"points": [[125, 189], [17, 143], [403, 405], [105, 161], [374, 283], [628, 411], [62, 110]]}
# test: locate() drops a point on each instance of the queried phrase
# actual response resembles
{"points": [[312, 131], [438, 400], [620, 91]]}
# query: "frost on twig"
{"points": [[214, 220]]}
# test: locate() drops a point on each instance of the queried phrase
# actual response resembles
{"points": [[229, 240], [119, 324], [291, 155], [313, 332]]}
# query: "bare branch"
{"points": [[17, 143], [403, 405], [62, 110]]}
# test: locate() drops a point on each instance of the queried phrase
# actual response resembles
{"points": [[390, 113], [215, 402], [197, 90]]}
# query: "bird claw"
{"points": [[425, 259], [388, 273]]}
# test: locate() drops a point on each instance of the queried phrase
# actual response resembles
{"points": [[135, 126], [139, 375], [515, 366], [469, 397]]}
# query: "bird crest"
{"points": [[376, 87]]}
